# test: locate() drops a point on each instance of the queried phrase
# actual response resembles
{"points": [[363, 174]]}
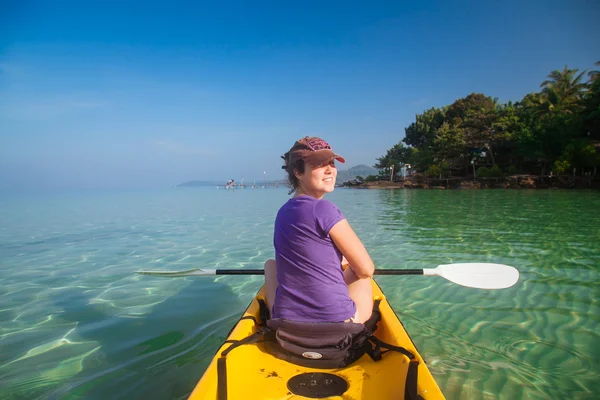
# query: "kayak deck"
{"points": [[252, 373]]}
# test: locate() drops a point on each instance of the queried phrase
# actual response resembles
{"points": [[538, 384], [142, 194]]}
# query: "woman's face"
{"points": [[317, 180]]}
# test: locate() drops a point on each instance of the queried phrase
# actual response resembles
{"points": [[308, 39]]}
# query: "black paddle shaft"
{"points": [[398, 272], [262, 272], [240, 272]]}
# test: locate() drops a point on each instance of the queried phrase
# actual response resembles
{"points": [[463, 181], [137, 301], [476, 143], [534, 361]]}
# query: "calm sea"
{"points": [[77, 322]]}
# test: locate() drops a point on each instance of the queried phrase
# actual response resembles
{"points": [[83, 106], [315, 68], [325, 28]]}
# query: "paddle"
{"points": [[475, 275]]}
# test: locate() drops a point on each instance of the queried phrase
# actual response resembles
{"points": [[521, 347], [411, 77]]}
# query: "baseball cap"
{"points": [[312, 150]]}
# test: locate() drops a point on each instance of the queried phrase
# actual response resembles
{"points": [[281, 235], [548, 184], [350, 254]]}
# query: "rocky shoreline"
{"points": [[509, 182]]}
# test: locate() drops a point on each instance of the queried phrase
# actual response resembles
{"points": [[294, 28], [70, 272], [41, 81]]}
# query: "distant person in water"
{"points": [[312, 237]]}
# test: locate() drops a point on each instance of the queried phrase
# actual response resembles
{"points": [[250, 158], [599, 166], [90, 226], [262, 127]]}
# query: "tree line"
{"points": [[556, 129]]}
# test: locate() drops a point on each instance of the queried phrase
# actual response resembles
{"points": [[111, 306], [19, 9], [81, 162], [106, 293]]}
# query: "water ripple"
{"points": [[77, 322]]}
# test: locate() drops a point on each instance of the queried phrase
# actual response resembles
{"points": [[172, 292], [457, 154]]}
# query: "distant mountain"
{"points": [[352, 173]]}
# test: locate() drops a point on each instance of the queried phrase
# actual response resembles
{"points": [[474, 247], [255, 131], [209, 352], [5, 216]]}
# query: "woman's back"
{"points": [[311, 281]]}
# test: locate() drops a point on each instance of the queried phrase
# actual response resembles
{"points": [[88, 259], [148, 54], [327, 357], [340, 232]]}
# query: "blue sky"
{"points": [[118, 94]]}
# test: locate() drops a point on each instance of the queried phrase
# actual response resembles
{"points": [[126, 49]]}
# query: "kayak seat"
{"points": [[321, 345]]}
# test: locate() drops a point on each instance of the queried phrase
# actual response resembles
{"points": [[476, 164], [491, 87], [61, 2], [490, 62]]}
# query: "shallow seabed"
{"points": [[77, 322]]}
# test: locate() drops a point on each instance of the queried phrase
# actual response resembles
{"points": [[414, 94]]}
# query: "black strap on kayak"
{"points": [[222, 360], [254, 338], [222, 378], [264, 313], [412, 375], [374, 350], [377, 353]]}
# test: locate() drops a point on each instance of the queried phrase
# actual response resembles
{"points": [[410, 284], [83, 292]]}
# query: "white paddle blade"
{"points": [[189, 272], [477, 275]]}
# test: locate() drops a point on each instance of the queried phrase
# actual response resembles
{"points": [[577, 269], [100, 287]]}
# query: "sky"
{"points": [[151, 94]]}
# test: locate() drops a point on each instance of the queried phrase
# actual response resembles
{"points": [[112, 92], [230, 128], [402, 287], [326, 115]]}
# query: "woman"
{"points": [[306, 282]]}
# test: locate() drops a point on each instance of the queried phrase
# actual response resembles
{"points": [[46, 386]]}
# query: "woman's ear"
{"points": [[297, 173]]}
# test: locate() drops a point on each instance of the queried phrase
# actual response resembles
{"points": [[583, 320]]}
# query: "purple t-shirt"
{"points": [[311, 281]]}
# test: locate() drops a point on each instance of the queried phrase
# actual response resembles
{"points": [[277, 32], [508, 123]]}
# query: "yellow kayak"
{"points": [[250, 372]]}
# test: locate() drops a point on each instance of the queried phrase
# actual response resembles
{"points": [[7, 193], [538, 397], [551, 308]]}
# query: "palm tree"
{"points": [[593, 105], [564, 90]]}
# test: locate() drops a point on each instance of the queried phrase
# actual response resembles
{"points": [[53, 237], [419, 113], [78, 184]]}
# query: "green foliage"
{"points": [[561, 122], [421, 133], [483, 172], [496, 172], [445, 169], [564, 91], [449, 143], [395, 157], [561, 166], [433, 171], [592, 108], [512, 170], [359, 178], [589, 156], [438, 170], [370, 178], [421, 159], [580, 154]]}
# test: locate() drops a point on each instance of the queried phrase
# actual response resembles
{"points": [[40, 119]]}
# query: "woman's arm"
{"points": [[352, 249]]}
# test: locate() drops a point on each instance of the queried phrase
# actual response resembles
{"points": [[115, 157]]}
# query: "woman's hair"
{"points": [[292, 179]]}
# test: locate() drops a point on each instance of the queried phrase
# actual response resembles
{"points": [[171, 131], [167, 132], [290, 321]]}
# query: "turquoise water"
{"points": [[77, 322]]}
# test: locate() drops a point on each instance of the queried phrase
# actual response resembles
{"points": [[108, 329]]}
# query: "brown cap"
{"points": [[312, 150]]}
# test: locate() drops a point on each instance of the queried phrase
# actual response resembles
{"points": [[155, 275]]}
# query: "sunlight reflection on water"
{"points": [[75, 319]]}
